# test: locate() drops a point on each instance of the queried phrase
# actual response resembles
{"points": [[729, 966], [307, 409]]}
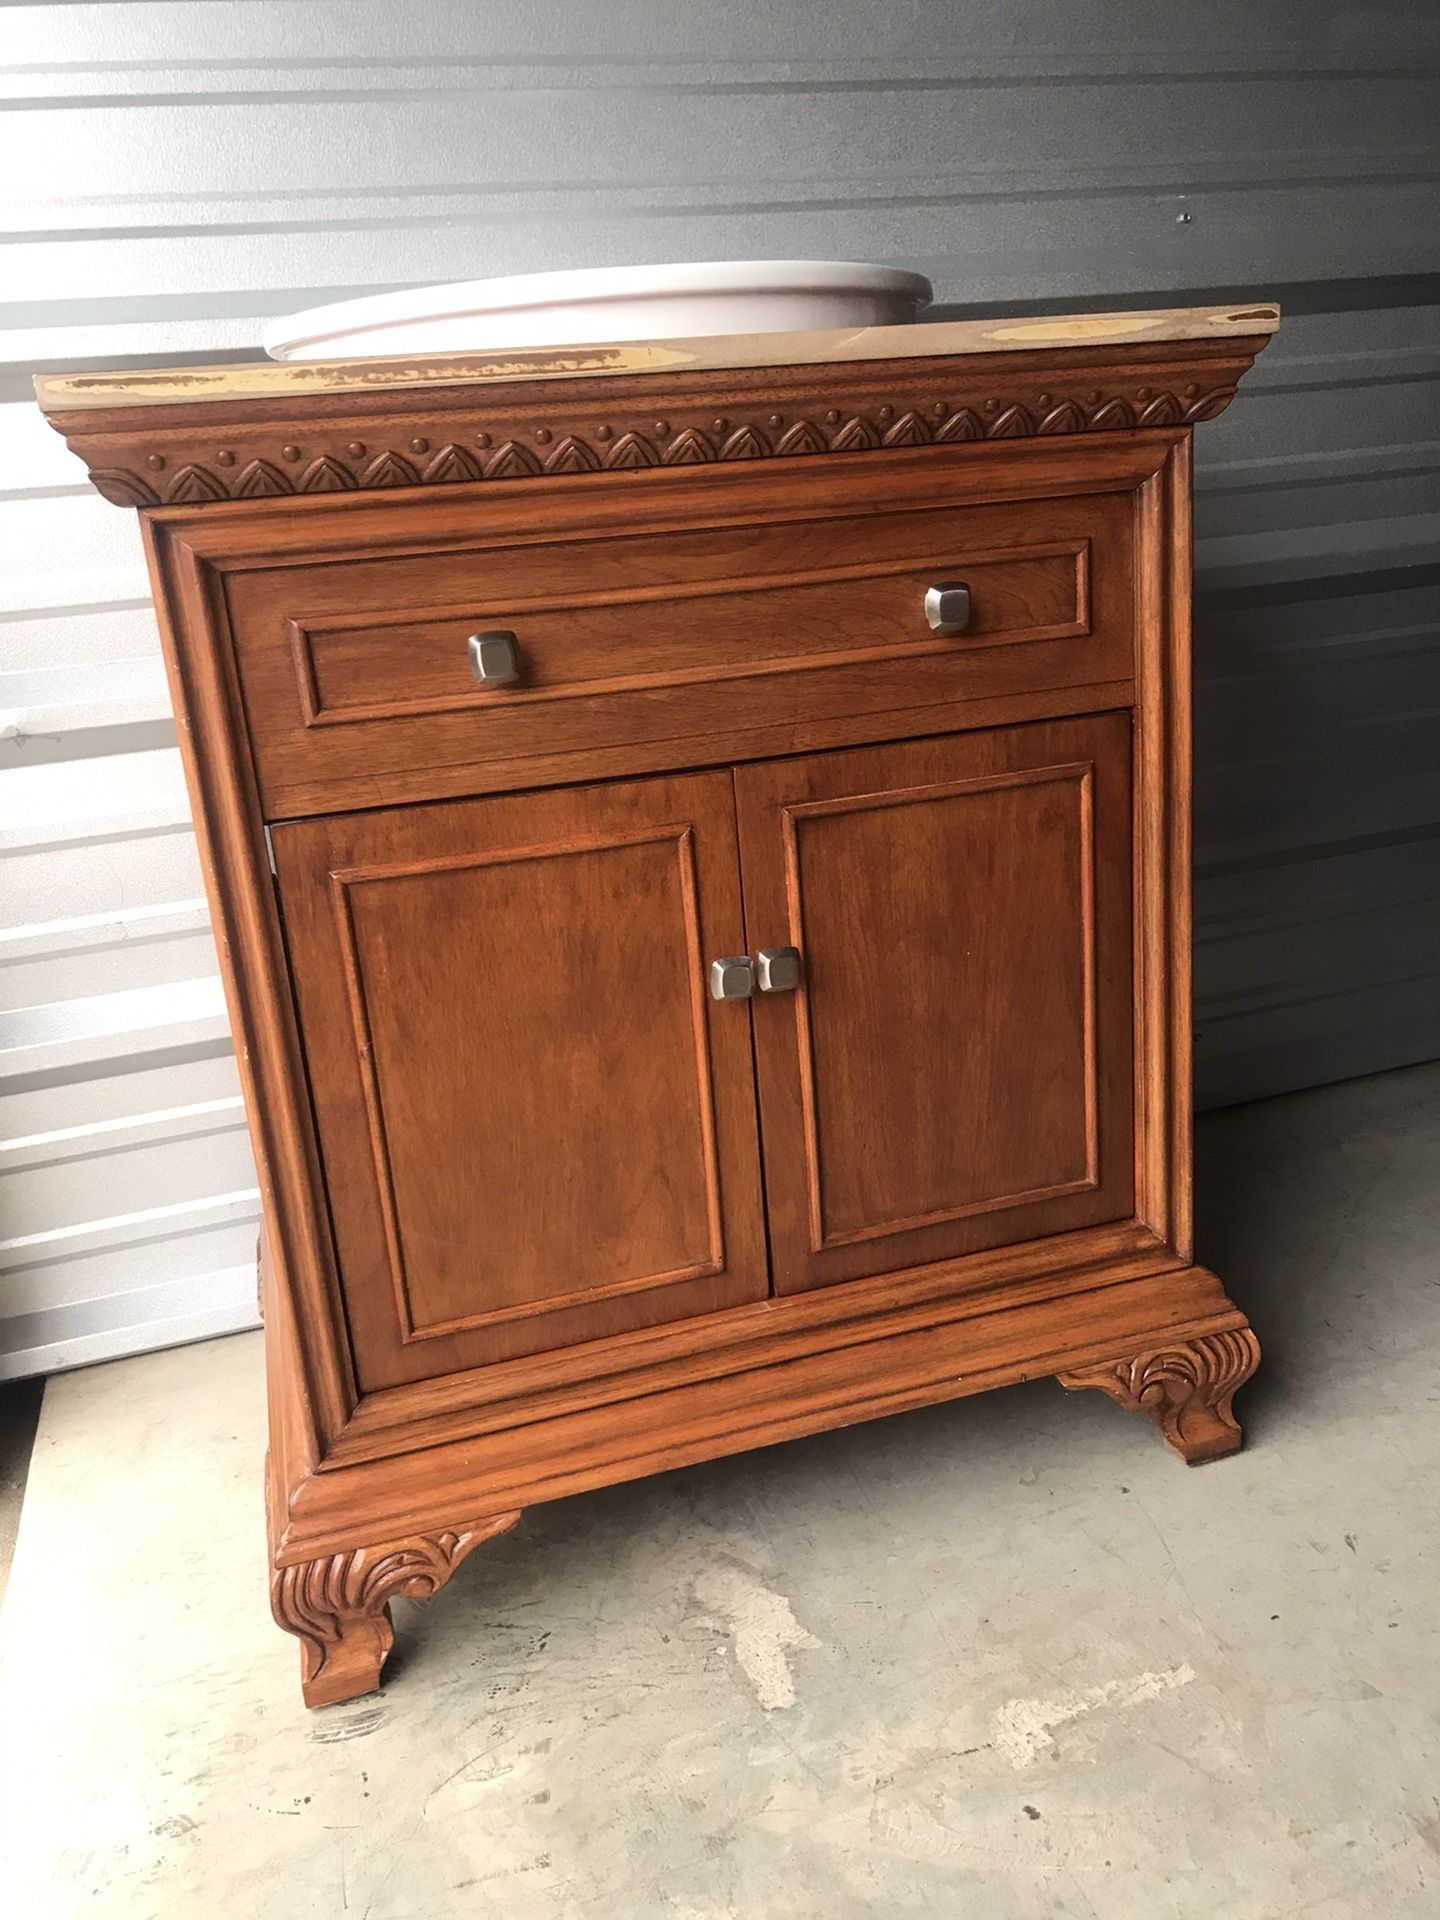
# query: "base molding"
{"points": [[338, 1606], [1185, 1386], [345, 1539], [567, 1441]]}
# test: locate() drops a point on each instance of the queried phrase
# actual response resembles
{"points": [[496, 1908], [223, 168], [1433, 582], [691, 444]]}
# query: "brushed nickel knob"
{"points": [[947, 607], [777, 969], [732, 978], [493, 659]]}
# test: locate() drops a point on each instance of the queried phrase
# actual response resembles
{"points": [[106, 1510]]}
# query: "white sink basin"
{"points": [[605, 303]]}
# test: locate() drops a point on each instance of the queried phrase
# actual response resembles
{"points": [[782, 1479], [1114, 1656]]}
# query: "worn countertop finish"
{"points": [[183, 437], [291, 380]]}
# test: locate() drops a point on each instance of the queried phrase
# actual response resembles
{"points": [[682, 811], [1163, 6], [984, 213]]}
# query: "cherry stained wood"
{"points": [[210, 551], [779, 1330], [195, 551], [339, 1606], [360, 669], [336, 1600], [536, 1126], [954, 1071], [1187, 1387], [372, 1488], [550, 1449]]}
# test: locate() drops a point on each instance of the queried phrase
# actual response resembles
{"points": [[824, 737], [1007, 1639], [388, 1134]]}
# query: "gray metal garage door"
{"points": [[177, 173]]}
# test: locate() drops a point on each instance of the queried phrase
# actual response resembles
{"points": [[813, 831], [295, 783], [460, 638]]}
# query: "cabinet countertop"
{"points": [[296, 380]]}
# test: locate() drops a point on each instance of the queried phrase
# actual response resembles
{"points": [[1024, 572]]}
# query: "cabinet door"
{"points": [[536, 1127], [953, 1071]]}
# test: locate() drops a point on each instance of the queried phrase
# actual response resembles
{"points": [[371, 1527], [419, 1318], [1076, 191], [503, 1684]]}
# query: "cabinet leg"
{"points": [[339, 1606], [1186, 1387]]}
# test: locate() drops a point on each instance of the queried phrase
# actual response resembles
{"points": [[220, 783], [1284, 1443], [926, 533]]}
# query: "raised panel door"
{"points": [[953, 1071], [535, 1127]]}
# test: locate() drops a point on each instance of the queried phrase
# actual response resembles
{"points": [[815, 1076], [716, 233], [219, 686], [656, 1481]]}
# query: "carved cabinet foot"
{"points": [[1186, 1387], [339, 1606]]}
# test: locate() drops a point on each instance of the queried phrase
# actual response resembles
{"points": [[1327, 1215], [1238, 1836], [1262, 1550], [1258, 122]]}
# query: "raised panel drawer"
{"points": [[357, 673]]}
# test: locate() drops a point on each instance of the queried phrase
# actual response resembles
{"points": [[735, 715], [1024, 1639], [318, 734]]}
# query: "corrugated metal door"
{"points": [[176, 174]]}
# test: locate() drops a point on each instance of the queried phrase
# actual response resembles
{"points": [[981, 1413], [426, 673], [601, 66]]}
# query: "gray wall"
{"points": [[178, 172]]}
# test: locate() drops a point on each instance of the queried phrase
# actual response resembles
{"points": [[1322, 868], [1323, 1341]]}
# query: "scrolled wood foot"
{"points": [[339, 1606], [1186, 1387]]}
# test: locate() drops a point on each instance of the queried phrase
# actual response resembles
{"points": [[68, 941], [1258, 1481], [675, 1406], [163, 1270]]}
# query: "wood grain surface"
{"points": [[954, 1071], [536, 1126], [359, 669]]}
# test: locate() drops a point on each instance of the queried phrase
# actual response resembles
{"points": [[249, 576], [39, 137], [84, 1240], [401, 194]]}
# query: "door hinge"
{"points": [[269, 850]]}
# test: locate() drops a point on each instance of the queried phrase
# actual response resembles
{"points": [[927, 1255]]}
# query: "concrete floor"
{"points": [[1000, 1659]]}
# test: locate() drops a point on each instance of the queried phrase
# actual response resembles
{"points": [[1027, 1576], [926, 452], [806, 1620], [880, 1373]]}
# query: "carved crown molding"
{"points": [[552, 450], [251, 450]]}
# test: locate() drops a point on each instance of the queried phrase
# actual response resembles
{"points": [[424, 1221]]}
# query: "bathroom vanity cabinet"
{"points": [[698, 837]]}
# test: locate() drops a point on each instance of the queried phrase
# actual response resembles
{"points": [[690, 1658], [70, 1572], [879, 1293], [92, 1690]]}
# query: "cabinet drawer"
{"points": [[357, 675]]}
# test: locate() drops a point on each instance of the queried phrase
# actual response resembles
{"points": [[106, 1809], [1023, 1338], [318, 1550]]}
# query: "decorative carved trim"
{"points": [[122, 488], [339, 1607], [1186, 1389], [274, 465]]}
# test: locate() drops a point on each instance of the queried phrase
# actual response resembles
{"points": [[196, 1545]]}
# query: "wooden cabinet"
{"points": [[510, 708]]}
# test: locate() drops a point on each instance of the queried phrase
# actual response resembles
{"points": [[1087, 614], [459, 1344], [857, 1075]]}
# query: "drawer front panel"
{"points": [[360, 669]]}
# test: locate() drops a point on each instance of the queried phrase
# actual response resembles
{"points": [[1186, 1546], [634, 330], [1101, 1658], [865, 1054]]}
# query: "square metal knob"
{"points": [[732, 978], [777, 969], [947, 607], [493, 659]]}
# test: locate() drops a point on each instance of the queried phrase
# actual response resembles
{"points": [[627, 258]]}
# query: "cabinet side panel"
{"points": [[314, 1390], [1162, 776]]}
